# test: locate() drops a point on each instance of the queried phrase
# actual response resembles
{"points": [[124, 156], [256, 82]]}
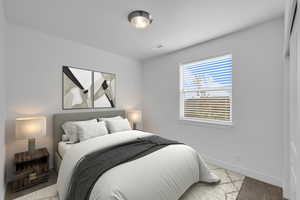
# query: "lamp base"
{"points": [[31, 145], [134, 126]]}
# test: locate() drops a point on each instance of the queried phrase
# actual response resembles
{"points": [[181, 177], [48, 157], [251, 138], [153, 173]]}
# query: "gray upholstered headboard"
{"points": [[60, 118]]}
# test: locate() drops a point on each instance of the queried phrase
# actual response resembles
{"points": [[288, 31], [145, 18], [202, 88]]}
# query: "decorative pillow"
{"points": [[70, 129], [65, 138], [90, 130], [118, 125]]}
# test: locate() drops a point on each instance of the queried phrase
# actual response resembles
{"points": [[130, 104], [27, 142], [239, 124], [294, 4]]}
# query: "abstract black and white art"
{"points": [[77, 88], [104, 90], [84, 89]]}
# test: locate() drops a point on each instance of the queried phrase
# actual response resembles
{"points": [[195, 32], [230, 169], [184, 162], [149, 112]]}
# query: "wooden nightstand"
{"points": [[32, 168]]}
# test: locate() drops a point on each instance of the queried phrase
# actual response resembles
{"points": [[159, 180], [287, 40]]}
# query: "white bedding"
{"points": [[63, 147], [162, 175]]}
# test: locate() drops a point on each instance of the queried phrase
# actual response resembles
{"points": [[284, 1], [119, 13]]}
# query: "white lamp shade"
{"points": [[33, 127], [134, 116]]}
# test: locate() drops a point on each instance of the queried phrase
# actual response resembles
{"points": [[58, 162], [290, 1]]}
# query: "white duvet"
{"points": [[162, 175]]}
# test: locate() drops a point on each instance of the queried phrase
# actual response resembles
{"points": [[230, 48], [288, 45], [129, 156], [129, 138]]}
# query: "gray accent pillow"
{"points": [[71, 129]]}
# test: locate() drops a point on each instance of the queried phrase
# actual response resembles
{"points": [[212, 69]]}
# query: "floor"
{"points": [[52, 180], [228, 189], [254, 189], [233, 186]]}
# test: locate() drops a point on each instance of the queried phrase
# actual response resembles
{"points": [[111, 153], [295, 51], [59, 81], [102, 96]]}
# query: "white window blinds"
{"points": [[206, 90]]}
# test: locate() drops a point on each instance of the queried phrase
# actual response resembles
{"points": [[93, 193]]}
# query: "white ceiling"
{"points": [[177, 23]]}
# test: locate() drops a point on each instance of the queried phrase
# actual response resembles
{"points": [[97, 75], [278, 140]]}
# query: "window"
{"points": [[206, 90]]}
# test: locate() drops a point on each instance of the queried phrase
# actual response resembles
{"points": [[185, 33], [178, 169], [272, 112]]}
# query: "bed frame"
{"points": [[60, 118]]}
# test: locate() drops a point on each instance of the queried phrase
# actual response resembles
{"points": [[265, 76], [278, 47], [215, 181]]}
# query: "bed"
{"points": [[63, 147], [60, 118], [164, 174]]}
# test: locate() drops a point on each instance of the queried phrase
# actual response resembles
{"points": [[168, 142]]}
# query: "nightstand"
{"points": [[32, 168]]}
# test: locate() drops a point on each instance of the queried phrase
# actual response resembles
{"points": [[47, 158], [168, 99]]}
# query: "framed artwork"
{"points": [[85, 89], [104, 90]]}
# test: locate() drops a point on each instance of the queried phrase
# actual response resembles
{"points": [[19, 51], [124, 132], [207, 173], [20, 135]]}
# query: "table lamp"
{"points": [[30, 128], [134, 116]]}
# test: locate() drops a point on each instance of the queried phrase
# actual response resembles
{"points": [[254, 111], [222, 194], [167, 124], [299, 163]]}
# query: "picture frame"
{"points": [[104, 89], [87, 89]]}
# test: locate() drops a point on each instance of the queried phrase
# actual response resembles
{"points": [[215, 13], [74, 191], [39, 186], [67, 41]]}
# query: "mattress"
{"points": [[63, 147]]}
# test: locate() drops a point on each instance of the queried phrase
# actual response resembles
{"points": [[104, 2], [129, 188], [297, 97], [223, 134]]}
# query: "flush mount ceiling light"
{"points": [[140, 19]]}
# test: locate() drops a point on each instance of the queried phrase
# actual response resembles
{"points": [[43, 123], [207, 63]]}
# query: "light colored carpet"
{"points": [[228, 189]]}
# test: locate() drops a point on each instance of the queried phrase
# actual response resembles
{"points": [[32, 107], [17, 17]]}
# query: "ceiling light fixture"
{"points": [[140, 19]]}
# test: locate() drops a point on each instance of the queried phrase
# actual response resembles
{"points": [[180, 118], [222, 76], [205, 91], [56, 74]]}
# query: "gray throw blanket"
{"points": [[89, 169]]}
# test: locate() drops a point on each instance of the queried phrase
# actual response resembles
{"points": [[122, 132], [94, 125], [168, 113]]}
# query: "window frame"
{"points": [[181, 94]]}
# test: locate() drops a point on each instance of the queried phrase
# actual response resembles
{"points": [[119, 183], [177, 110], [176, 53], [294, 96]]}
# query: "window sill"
{"points": [[197, 122]]}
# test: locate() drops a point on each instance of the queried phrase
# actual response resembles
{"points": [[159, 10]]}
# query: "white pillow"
{"points": [[70, 129], [118, 125], [90, 130], [111, 118]]}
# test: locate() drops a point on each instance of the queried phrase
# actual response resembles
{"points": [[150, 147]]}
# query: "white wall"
{"points": [[254, 144], [2, 99], [34, 85], [292, 168]]}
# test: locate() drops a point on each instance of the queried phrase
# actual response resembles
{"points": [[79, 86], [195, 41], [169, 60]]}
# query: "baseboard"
{"points": [[247, 172]]}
